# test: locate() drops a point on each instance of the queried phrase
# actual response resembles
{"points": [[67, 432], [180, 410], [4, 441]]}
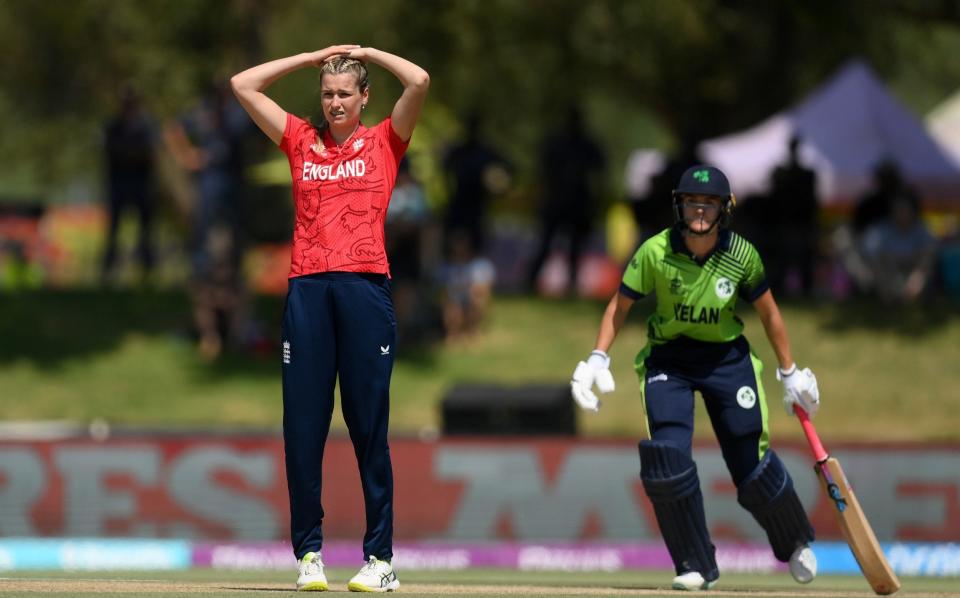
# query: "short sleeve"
{"points": [[395, 146], [638, 278], [754, 282], [292, 133]]}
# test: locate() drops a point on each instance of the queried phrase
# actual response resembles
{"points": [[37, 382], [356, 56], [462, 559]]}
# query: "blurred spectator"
{"points": [[208, 141], [900, 252], [412, 245], [571, 168], [467, 280], [874, 206], [793, 201], [872, 209], [24, 249], [476, 172], [220, 303], [653, 212], [129, 141]]}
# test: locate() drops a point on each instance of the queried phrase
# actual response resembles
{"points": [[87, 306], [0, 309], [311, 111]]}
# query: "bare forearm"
{"points": [[776, 331], [415, 82], [410, 75], [260, 77], [611, 323], [781, 346]]}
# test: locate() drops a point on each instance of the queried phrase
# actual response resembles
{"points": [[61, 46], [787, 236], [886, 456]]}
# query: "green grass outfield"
{"points": [[128, 357], [422, 584]]}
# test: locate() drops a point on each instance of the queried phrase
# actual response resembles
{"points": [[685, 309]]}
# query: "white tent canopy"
{"points": [[943, 122], [847, 126]]}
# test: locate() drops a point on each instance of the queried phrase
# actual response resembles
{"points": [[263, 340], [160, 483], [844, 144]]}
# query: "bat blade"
{"points": [[856, 529]]}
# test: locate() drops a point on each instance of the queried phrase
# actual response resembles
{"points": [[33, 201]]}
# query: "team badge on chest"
{"points": [[724, 288]]}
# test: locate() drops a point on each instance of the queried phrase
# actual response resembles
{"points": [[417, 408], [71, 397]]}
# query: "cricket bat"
{"points": [[853, 523]]}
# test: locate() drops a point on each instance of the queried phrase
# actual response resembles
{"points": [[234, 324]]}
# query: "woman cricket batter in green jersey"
{"points": [[698, 268]]}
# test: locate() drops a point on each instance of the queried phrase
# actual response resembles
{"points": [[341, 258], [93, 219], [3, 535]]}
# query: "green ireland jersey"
{"points": [[695, 299]]}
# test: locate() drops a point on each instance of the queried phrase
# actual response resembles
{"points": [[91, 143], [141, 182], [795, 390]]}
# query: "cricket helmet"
{"points": [[704, 180]]}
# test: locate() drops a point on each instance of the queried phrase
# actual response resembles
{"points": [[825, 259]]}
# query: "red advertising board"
{"points": [[465, 489]]}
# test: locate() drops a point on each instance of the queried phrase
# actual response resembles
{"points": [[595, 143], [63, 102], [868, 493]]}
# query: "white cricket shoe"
{"points": [[691, 581], [311, 578], [375, 576], [803, 564]]}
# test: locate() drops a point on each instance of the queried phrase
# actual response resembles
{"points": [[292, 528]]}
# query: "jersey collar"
{"points": [[678, 246], [347, 146]]}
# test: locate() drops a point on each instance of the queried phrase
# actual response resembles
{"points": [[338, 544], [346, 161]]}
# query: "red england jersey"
{"points": [[340, 195]]}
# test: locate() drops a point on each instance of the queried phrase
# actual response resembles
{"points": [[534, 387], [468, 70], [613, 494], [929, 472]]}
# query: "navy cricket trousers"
{"points": [[338, 324], [728, 376]]}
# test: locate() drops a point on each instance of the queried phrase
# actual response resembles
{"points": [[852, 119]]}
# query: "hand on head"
{"points": [[358, 53], [319, 57]]}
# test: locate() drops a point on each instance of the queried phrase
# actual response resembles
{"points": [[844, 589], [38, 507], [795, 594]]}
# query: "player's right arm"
{"points": [[596, 369], [249, 86], [612, 321]]}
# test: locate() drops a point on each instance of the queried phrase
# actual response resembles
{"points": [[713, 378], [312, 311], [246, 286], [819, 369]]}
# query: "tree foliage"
{"points": [[645, 72]]}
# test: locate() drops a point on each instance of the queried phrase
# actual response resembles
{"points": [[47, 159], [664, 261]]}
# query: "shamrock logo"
{"points": [[702, 175], [724, 288]]}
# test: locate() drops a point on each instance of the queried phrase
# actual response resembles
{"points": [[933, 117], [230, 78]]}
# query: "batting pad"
{"points": [[670, 479], [769, 496]]}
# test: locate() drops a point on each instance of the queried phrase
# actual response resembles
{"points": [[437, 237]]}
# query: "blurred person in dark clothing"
{"points": [[413, 247], [476, 172], [653, 212], [901, 252], [467, 280], [571, 165], [795, 226], [873, 208], [129, 141], [208, 142], [220, 302]]}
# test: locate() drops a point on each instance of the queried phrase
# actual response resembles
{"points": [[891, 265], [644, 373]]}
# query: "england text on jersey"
{"points": [[327, 172]]}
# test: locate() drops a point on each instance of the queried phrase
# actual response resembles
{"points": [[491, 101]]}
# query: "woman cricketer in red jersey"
{"points": [[338, 320]]}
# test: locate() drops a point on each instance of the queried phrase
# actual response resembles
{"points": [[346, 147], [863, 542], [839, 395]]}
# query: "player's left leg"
{"points": [[366, 333], [736, 404]]}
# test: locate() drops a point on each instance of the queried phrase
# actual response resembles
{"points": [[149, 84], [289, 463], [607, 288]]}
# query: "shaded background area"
{"points": [[657, 76]]}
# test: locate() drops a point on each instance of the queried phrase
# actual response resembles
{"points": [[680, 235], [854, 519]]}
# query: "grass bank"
{"points": [[128, 357]]}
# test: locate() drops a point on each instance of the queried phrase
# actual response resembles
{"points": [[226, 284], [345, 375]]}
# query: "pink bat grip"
{"points": [[819, 453]]}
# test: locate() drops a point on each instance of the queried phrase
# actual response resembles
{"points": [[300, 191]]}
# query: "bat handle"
{"points": [[819, 453]]}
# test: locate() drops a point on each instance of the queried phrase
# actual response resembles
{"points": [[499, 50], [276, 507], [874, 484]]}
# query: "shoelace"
{"points": [[313, 565], [371, 564]]}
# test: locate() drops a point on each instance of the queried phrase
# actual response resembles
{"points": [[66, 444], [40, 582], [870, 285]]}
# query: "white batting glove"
{"points": [[595, 370], [799, 388]]}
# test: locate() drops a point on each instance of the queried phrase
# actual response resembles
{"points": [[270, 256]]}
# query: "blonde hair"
{"points": [[339, 66]]}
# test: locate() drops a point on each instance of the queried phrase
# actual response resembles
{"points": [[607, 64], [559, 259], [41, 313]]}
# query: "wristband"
{"points": [[781, 373], [602, 356]]}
